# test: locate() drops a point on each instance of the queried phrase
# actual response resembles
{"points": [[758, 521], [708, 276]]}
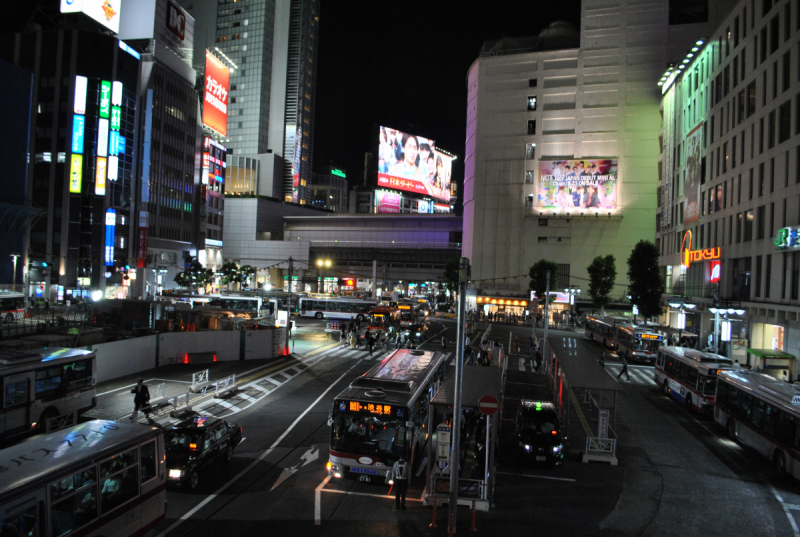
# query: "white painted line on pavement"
{"points": [[272, 380], [258, 387], [261, 457], [786, 510], [538, 476], [385, 497], [318, 501]]}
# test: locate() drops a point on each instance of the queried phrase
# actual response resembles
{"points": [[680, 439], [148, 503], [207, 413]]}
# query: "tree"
{"points": [[247, 272], [602, 274], [451, 274], [194, 275], [230, 273], [538, 275], [646, 285]]}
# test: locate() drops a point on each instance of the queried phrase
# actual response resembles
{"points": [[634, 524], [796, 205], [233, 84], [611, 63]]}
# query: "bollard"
{"points": [[433, 520], [472, 527]]}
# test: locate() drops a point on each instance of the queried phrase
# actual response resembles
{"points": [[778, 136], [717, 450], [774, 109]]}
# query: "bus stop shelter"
{"points": [[586, 397], [476, 476]]}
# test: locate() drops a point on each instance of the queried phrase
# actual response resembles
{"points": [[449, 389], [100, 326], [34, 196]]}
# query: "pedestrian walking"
{"points": [[603, 360], [370, 343], [624, 369], [444, 343], [47, 305], [399, 476], [141, 400], [352, 340]]}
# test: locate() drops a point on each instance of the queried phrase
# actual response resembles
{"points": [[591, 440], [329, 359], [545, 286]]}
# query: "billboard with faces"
{"points": [[412, 163], [578, 184]]}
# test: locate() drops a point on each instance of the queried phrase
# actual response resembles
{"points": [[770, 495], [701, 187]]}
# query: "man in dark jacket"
{"points": [[141, 400]]}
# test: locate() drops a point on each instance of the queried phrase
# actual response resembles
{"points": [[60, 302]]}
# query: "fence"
{"points": [[67, 322]]}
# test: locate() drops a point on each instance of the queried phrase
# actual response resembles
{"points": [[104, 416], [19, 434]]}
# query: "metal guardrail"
{"points": [[199, 380], [41, 321], [61, 422], [224, 386], [601, 447], [180, 404]]}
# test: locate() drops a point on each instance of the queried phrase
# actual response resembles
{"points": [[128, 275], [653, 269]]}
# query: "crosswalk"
{"points": [[640, 375], [360, 353]]}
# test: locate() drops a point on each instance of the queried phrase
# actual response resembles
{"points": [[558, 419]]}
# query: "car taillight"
{"points": [[554, 433], [192, 447]]}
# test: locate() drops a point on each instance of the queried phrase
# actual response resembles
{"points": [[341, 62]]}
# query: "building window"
{"points": [[543, 222], [532, 102], [530, 151], [784, 121], [531, 127], [529, 177], [748, 225], [542, 240], [758, 276], [761, 215], [771, 130], [532, 83], [529, 201], [768, 276]]}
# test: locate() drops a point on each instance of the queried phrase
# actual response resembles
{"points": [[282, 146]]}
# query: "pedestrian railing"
{"points": [[225, 386], [180, 405], [199, 381], [601, 446], [61, 422], [157, 397]]}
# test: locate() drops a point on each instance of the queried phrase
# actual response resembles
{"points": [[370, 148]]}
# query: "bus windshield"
{"points": [[380, 320], [709, 385], [367, 435], [650, 345]]}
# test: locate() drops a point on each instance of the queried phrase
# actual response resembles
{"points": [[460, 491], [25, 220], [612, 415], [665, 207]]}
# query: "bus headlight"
{"points": [[175, 474], [557, 448]]}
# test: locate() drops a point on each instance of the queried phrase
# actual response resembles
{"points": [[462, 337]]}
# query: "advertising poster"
{"points": [[578, 184], [694, 143], [215, 102], [387, 202], [100, 176], [141, 257], [75, 174], [413, 164]]}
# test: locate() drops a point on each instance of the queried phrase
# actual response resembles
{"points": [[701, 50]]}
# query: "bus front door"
{"points": [[16, 407]]}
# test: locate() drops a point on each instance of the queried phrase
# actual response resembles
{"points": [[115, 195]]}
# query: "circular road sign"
{"points": [[489, 405]]}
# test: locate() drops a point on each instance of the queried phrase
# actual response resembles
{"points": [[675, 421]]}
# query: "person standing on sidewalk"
{"points": [[444, 343], [141, 400], [400, 477], [624, 369]]}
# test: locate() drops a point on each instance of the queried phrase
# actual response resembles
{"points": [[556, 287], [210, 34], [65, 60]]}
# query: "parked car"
{"points": [[195, 444], [538, 433]]}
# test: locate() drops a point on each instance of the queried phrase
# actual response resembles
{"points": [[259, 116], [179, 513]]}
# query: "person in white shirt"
{"points": [[400, 473]]}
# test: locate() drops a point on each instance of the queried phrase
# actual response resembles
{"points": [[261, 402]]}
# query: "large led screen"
{"points": [[693, 164], [413, 164], [578, 184], [215, 106], [106, 12]]}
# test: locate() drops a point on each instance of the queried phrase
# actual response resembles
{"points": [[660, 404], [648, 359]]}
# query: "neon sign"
{"points": [[688, 255], [788, 237], [382, 410]]}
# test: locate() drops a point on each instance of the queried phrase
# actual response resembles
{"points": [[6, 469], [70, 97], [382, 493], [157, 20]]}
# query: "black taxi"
{"points": [[538, 433], [194, 444]]}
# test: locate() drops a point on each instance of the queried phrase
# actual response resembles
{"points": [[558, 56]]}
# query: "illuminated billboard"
{"points": [[413, 164], [578, 184], [215, 102], [694, 143], [394, 203], [78, 127], [102, 137], [100, 176], [106, 12], [75, 174], [81, 83], [111, 223]]}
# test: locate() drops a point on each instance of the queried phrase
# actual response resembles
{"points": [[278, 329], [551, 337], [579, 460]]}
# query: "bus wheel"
{"points": [[688, 401], [732, 430], [359, 317], [779, 464], [229, 454], [318, 315], [666, 387], [193, 479]]}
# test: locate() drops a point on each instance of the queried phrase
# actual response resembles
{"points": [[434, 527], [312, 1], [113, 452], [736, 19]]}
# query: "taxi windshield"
{"points": [[183, 440], [366, 435], [538, 424]]}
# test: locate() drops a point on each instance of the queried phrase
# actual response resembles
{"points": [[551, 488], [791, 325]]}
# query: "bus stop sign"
{"points": [[488, 404]]}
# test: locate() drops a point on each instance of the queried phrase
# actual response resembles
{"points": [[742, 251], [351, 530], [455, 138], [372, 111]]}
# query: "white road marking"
{"points": [[787, 510], [272, 380], [385, 497], [318, 501], [261, 457], [538, 476]]}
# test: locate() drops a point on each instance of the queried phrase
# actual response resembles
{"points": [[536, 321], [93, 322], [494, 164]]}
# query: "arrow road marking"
{"points": [[286, 474], [311, 455]]}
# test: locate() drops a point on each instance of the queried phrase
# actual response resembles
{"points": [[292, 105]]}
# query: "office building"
{"points": [[329, 190], [273, 45], [562, 144], [729, 205]]}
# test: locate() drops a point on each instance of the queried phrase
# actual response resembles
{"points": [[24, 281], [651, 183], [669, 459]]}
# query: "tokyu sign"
{"points": [[788, 238], [689, 256]]}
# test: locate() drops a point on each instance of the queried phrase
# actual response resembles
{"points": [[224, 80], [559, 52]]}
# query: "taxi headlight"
{"points": [[557, 448], [175, 474]]}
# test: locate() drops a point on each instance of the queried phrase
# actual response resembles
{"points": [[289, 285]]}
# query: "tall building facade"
{"points": [[329, 190], [729, 205], [81, 165], [169, 218], [562, 144], [273, 43]]}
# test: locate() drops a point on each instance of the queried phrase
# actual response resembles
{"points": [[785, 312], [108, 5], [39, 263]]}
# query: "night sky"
{"points": [[404, 65]]}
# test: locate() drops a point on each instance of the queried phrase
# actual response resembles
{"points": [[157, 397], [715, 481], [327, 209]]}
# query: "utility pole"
{"points": [[289, 305], [15, 256], [455, 458], [546, 317]]}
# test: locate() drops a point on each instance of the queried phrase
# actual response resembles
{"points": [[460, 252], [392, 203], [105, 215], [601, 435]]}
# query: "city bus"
{"points": [[762, 413], [336, 308], [382, 415], [690, 376], [96, 478], [12, 305], [637, 344], [384, 318], [410, 313], [42, 384], [601, 329]]}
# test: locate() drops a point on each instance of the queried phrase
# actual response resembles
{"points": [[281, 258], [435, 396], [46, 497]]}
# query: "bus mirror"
{"points": [[330, 418]]}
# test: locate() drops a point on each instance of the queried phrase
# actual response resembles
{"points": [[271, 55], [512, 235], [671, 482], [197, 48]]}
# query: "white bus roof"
{"points": [[765, 387], [12, 357], [47, 457], [698, 356]]}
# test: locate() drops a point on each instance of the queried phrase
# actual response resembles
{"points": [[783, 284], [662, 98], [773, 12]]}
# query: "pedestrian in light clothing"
{"points": [[444, 343], [624, 369], [400, 477], [141, 400]]}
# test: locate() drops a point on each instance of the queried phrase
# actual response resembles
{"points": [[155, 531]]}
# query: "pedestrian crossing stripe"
{"points": [[642, 377]]}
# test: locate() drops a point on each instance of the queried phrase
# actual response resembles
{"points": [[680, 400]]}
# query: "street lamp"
{"points": [[725, 325], [323, 264], [681, 307], [572, 291]]}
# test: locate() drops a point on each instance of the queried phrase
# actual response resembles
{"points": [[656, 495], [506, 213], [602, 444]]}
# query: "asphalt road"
{"points": [[677, 475]]}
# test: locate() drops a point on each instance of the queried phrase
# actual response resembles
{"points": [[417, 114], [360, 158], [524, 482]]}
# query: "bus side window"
{"points": [[73, 501], [21, 523], [149, 465], [120, 480], [48, 382]]}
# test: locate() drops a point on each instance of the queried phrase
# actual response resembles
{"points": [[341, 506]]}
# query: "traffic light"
{"points": [[41, 286]]}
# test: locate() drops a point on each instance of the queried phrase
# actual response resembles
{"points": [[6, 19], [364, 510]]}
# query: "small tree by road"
{"points": [[194, 275], [602, 274], [451, 274], [230, 273], [646, 285], [538, 275]]}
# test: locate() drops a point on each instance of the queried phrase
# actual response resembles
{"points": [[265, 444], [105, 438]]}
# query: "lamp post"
{"points": [[14, 286], [572, 291], [323, 264], [681, 307], [723, 327]]}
